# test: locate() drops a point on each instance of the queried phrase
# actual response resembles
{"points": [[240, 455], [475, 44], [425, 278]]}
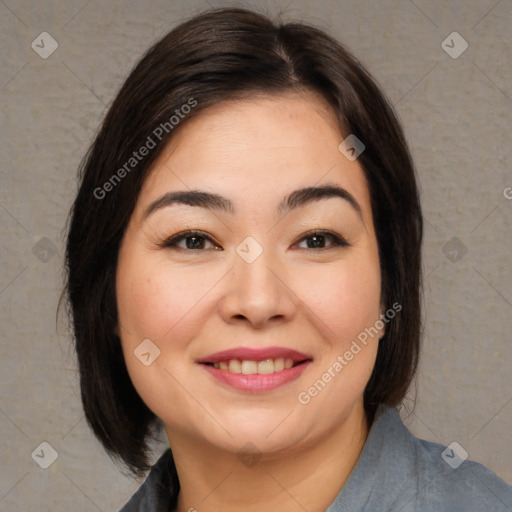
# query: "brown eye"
{"points": [[190, 240], [321, 240]]}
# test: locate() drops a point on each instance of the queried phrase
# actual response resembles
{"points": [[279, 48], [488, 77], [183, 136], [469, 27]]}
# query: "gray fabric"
{"points": [[157, 493], [396, 472], [400, 473]]}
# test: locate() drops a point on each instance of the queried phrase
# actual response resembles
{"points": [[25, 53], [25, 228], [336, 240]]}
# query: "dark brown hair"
{"points": [[220, 55]]}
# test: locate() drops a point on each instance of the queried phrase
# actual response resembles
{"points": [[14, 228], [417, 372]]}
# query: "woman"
{"points": [[244, 270]]}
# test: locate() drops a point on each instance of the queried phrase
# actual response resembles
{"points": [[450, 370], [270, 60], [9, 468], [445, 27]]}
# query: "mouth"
{"points": [[251, 367], [254, 370]]}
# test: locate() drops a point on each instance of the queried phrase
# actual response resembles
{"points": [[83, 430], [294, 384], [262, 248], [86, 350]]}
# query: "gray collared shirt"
{"points": [[396, 472]]}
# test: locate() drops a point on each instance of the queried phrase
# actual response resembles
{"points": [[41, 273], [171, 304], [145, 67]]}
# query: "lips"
{"points": [[249, 369], [255, 354]]}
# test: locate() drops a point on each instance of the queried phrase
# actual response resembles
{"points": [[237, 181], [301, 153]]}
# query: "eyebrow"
{"points": [[297, 199]]}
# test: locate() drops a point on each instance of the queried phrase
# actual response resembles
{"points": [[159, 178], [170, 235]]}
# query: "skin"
{"points": [[194, 302]]}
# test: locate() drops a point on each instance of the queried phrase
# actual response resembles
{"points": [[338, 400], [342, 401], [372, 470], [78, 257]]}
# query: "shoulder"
{"points": [[158, 491], [442, 478], [398, 471], [447, 480]]}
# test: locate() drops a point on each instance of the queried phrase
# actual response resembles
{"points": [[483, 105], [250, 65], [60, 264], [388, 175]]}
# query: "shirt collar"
{"points": [[379, 468]]}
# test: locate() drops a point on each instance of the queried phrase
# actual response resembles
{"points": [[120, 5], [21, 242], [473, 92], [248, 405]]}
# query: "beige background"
{"points": [[457, 116]]}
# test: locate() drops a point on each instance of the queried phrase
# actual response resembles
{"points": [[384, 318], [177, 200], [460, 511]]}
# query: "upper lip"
{"points": [[255, 354]]}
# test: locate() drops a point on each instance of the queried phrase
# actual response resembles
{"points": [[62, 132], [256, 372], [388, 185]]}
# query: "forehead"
{"points": [[255, 150]]}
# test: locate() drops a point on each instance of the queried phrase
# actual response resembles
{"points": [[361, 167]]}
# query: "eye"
{"points": [[198, 240], [322, 240], [191, 240]]}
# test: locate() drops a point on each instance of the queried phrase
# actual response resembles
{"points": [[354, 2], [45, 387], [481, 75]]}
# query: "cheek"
{"points": [[345, 299], [346, 304], [155, 300], [164, 306]]}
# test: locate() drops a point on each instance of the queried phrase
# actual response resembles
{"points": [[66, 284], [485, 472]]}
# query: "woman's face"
{"points": [[270, 277]]}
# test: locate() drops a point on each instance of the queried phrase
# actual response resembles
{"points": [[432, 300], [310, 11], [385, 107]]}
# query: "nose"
{"points": [[258, 293]]}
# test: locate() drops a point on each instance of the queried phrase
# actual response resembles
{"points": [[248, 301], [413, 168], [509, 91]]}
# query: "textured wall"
{"points": [[457, 115]]}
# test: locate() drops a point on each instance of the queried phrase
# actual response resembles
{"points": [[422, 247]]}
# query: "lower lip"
{"points": [[257, 383]]}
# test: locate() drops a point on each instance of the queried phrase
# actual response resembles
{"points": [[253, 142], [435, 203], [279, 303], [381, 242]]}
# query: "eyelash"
{"points": [[172, 242]]}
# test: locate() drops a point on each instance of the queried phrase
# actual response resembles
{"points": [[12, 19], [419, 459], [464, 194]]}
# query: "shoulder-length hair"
{"points": [[217, 56]]}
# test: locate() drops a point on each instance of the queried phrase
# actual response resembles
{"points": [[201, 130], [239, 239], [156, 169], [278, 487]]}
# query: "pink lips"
{"points": [[256, 382], [255, 354]]}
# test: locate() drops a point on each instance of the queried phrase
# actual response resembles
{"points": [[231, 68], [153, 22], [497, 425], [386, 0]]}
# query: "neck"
{"points": [[309, 478]]}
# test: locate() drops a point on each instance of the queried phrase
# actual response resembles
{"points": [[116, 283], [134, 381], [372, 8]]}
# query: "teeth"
{"points": [[266, 367], [235, 366], [248, 367]]}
